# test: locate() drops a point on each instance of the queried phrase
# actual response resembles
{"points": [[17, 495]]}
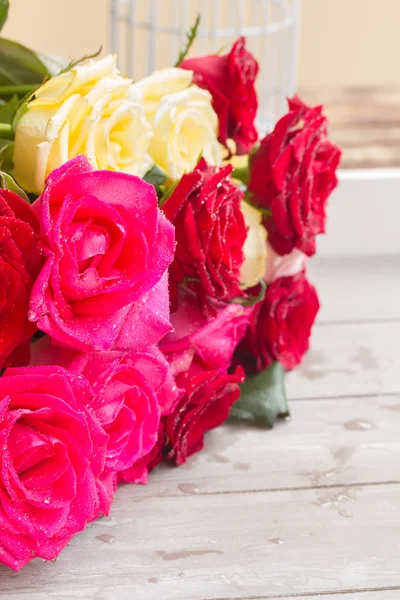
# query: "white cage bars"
{"points": [[148, 34]]}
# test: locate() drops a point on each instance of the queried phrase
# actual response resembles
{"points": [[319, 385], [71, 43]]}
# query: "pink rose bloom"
{"points": [[107, 247], [199, 351], [139, 472], [52, 452], [131, 390]]}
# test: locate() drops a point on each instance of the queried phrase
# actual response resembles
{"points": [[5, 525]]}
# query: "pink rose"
{"points": [[130, 392], [107, 247], [214, 340], [52, 452], [199, 351], [139, 472]]}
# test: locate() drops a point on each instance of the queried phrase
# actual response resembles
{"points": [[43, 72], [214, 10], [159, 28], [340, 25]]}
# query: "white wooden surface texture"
{"points": [[310, 510]]}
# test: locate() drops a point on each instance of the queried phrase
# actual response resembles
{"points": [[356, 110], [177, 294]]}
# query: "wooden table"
{"points": [[309, 510], [364, 122]]}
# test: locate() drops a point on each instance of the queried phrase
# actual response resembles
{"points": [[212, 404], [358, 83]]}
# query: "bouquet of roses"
{"points": [[152, 274]]}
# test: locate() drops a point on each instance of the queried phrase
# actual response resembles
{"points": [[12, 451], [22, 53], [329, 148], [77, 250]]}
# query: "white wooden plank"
{"points": [[226, 546], [334, 442], [352, 595], [349, 359], [381, 594], [357, 289]]}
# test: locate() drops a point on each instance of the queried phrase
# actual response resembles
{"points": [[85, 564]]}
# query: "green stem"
{"points": [[6, 131], [17, 90]]}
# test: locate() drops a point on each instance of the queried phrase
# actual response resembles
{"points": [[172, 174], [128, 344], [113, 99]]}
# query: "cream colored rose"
{"points": [[255, 248], [184, 123], [89, 110]]}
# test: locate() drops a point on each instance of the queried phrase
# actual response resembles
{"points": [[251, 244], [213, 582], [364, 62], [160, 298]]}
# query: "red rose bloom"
{"points": [[230, 80], [209, 395], [52, 452], [292, 174], [280, 325], [20, 262], [210, 233], [200, 351]]}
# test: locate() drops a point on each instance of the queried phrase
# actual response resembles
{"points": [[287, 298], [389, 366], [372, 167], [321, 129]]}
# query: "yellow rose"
{"points": [[89, 110], [184, 123], [255, 248]]}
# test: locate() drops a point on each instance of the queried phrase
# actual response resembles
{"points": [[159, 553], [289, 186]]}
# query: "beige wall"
{"points": [[70, 28], [343, 42], [350, 42]]}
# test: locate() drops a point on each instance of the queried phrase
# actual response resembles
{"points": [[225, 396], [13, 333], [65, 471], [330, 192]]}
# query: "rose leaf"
{"points": [[263, 398], [20, 68], [8, 110], [156, 177]]}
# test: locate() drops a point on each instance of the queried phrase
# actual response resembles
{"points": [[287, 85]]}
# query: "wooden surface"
{"points": [[364, 122], [309, 510]]}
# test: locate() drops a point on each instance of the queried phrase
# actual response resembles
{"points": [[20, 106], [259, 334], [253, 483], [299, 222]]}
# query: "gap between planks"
{"points": [[325, 444], [367, 594], [288, 546]]}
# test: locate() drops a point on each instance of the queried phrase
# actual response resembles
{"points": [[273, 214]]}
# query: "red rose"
{"points": [[280, 325], [52, 453], [208, 398], [230, 80], [20, 262], [210, 233], [292, 174], [200, 353]]}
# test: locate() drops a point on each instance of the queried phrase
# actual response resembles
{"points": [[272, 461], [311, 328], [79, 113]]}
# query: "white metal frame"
{"points": [[274, 40]]}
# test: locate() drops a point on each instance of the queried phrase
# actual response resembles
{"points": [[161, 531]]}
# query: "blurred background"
{"points": [[342, 42], [342, 53]]}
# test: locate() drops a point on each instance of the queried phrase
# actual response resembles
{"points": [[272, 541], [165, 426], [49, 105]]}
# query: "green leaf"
{"points": [[263, 398], [8, 110], [8, 183], [252, 300], [156, 177], [20, 65], [4, 6], [190, 37], [6, 155]]}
